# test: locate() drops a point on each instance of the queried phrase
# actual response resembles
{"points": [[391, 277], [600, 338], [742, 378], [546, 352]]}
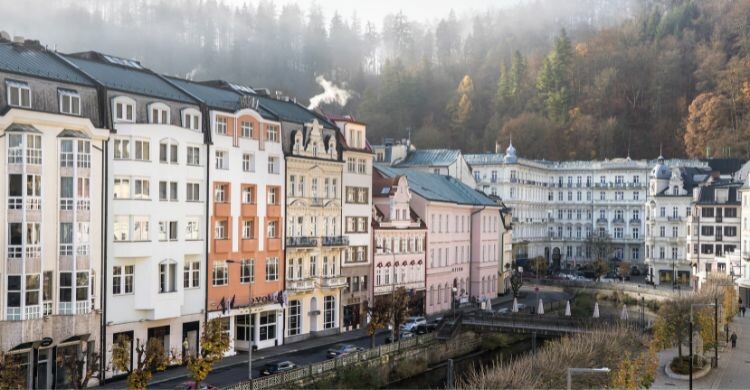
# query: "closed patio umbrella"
{"points": [[514, 309], [624, 313], [596, 310], [540, 308], [567, 309]]}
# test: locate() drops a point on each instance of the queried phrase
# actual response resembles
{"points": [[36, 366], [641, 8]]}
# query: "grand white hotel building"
{"points": [[557, 205]]}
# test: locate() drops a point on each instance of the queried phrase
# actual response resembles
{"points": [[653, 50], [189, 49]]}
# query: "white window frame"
{"points": [[72, 96], [248, 162], [246, 129], [224, 280], [172, 151], [191, 274], [162, 111], [191, 119], [221, 159], [125, 102], [193, 155], [168, 277], [222, 125], [192, 229], [124, 273], [142, 146], [192, 192], [18, 88], [272, 269]]}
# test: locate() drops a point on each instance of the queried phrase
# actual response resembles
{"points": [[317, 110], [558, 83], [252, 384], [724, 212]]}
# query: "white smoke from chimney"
{"points": [[191, 75], [330, 94]]}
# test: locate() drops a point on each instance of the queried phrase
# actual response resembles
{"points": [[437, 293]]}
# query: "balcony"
{"points": [[222, 209], [335, 241], [249, 245], [249, 210], [273, 244], [618, 221], [674, 219], [635, 221], [300, 285], [332, 281], [222, 245], [601, 220], [301, 242]]}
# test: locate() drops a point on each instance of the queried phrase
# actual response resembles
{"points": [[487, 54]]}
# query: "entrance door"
{"points": [[44, 369], [190, 339]]}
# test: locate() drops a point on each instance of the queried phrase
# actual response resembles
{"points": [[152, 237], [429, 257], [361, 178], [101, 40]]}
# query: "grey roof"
{"points": [[484, 159], [726, 166], [217, 97], [293, 112], [122, 78], [707, 192], [439, 188], [430, 157], [67, 133], [38, 62], [22, 128]]}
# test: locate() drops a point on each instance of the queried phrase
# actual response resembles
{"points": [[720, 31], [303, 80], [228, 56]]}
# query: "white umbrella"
{"points": [[624, 313], [515, 306], [567, 309], [540, 309], [596, 310]]}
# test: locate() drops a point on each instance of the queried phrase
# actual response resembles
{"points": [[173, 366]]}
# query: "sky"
{"points": [[375, 10]]}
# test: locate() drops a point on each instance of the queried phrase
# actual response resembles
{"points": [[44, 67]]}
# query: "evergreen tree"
{"points": [[553, 83]]}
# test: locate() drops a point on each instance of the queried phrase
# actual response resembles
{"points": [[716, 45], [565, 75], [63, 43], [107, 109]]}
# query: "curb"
{"points": [[228, 365], [696, 374]]}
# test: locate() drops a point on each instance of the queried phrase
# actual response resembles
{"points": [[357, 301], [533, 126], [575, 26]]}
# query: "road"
{"points": [[238, 373]]}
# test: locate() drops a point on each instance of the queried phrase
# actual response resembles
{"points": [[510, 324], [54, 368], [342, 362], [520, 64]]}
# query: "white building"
{"points": [[743, 272], [668, 211], [557, 205], [155, 229]]}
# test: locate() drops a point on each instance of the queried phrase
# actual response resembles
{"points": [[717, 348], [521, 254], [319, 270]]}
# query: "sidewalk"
{"points": [[178, 372], [733, 364]]}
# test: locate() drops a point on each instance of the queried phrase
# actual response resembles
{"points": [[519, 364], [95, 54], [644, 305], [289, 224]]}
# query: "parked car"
{"points": [[402, 335], [190, 385], [277, 367], [635, 271], [521, 306], [429, 327], [342, 350], [412, 323], [503, 310]]}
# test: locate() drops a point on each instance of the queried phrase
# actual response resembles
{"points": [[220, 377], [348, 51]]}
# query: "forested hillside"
{"points": [[569, 80]]}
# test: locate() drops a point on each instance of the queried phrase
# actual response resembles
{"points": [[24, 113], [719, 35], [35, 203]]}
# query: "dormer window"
{"points": [[158, 114], [70, 102], [221, 125], [191, 119], [124, 109], [19, 93], [272, 133]]}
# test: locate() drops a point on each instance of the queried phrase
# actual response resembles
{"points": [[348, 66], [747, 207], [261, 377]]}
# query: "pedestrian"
{"points": [[734, 339], [743, 310]]}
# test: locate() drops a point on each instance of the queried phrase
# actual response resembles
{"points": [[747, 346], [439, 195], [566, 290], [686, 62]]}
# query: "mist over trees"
{"points": [[568, 79]]}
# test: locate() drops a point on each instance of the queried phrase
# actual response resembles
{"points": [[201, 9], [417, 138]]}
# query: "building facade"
{"points": [[52, 143], [356, 212], [743, 272], [556, 206], [714, 233], [399, 238]]}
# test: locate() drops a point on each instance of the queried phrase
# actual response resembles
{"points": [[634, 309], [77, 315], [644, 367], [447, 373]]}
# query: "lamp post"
{"points": [[251, 341], [454, 290], [690, 330], [643, 314], [571, 371]]}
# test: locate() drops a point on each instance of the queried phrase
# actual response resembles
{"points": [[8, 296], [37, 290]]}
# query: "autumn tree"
{"points": [[539, 264], [380, 316], [461, 109], [707, 125], [599, 244], [149, 357], [399, 309], [11, 374], [213, 345], [79, 368], [671, 327], [516, 282]]}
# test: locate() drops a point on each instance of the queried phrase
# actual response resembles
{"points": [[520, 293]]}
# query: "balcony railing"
{"points": [[32, 312], [300, 285], [83, 205], [83, 307], [674, 219], [601, 220], [13, 314], [33, 251], [15, 203], [301, 242], [335, 241], [332, 281], [618, 220], [65, 308], [635, 220]]}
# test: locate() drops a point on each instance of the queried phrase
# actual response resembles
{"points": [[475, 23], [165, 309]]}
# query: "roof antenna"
{"points": [[661, 155]]}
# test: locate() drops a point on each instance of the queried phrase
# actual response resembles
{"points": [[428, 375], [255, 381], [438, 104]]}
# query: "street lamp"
{"points": [[690, 330], [571, 371], [454, 290], [251, 340]]}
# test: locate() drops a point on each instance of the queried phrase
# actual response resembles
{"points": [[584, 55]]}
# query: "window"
{"points": [[244, 325], [167, 276], [220, 275], [730, 212], [168, 231], [220, 231], [121, 189], [159, 114], [193, 155], [267, 325], [247, 271], [122, 149], [247, 129], [19, 94], [122, 281], [329, 316], [221, 125], [193, 192], [248, 162], [168, 152], [141, 188], [272, 133], [70, 102], [191, 276], [248, 195], [361, 166], [140, 228], [295, 317], [351, 165], [124, 109], [192, 228], [248, 229], [222, 161], [273, 165], [191, 119], [220, 193], [272, 269], [168, 191], [142, 152], [273, 193], [66, 286], [273, 229]]}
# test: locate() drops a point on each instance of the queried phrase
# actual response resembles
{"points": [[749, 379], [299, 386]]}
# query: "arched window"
{"points": [[167, 276], [123, 109], [158, 113]]}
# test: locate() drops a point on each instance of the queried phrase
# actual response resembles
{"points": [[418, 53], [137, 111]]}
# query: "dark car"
{"points": [[277, 367], [430, 326], [635, 271], [190, 385], [342, 350]]}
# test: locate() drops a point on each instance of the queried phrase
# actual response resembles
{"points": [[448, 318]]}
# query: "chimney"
{"points": [[263, 91], [497, 147], [18, 39], [4, 36]]}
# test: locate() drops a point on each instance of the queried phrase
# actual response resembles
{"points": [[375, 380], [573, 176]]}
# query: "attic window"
{"points": [[124, 109], [19, 93], [123, 62], [70, 102], [272, 133]]}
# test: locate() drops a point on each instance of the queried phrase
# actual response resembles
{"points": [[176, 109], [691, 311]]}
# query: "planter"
{"points": [[699, 373]]}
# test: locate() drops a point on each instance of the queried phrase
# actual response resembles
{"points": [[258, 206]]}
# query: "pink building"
{"points": [[463, 238], [399, 238]]}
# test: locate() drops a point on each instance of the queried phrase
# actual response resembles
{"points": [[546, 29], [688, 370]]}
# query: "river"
{"points": [[435, 377]]}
